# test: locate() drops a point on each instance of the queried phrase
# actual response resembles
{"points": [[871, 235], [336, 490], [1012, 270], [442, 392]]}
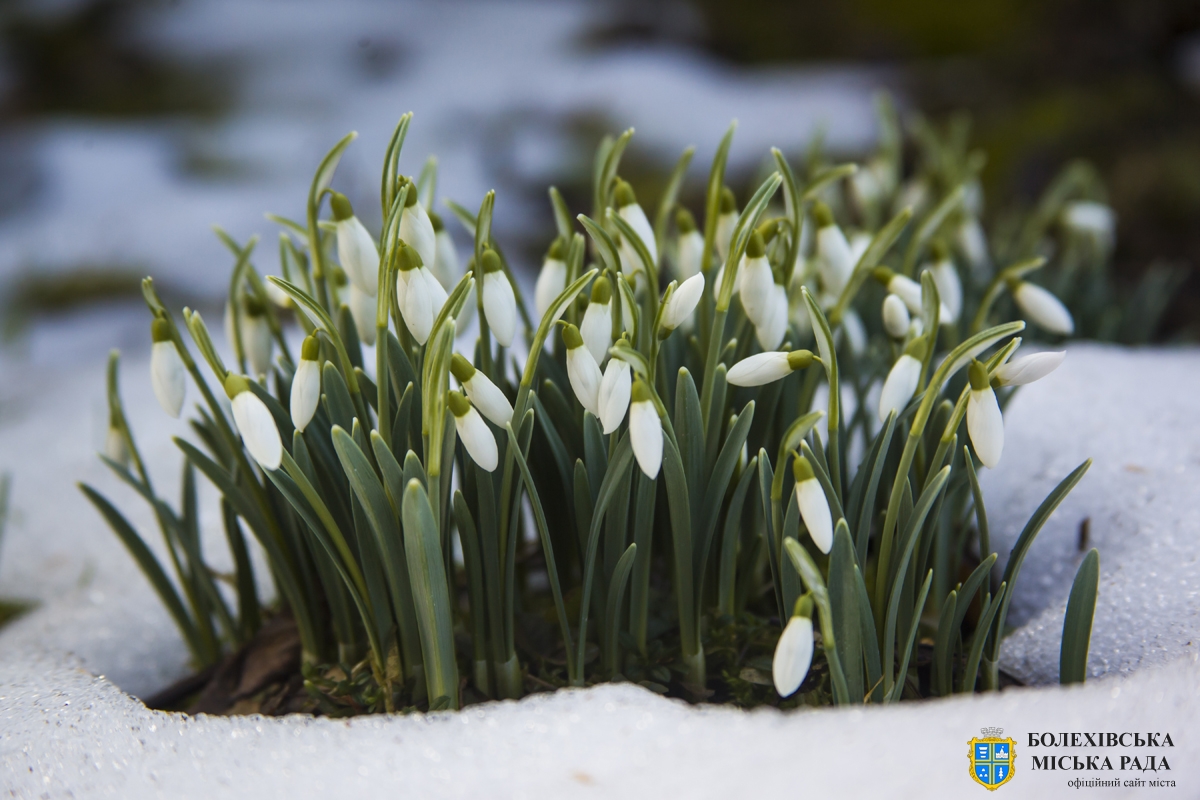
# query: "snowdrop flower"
{"points": [[551, 280], [909, 291], [256, 336], [115, 446], [1091, 219], [856, 333], [814, 506], [362, 311], [596, 326], [417, 229], [499, 302], [483, 394], [254, 422], [614, 394], [418, 293], [582, 370], [726, 220], [764, 368], [277, 295], [631, 262], [645, 430], [984, 422], [474, 433], [895, 317], [949, 286], [835, 260], [691, 245], [1042, 307], [445, 258], [629, 210], [355, 246], [972, 241], [773, 325], [902, 379], [306, 384], [166, 368], [682, 303], [755, 278], [1027, 369], [794, 651]]}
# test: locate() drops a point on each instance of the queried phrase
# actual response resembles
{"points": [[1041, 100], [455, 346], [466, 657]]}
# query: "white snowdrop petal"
{"points": [[306, 393], [358, 256], [691, 251], [759, 369], [256, 340], [756, 282], [362, 311], [907, 290], [645, 434], [900, 385], [814, 510], [437, 294], [613, 399], [257, 428], [1044, 309], [445, 261], [115, 447], [1028, 369], [835, 259], [985, 425], [417, 230], [949, 287], [550, 284], [973, 243], [636, 217], [895, 317], [167, 377], [418, 305], [724, 234], [856, 334], [793, 656], [683, 302], [477, 438], [773, 327], [596, 330], [584, 375], [487, 397], [500, 307]]}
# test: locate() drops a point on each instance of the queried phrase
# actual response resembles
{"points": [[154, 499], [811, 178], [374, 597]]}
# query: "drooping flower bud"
{"points": [[773, 325], [902, 379], [794, 650], [895, 317], [596, 326], [945, 277], [835, 260], [985, 424], [682, 303], [362, 311], [645, 430], [1042, 308], [483, 394], [909, 291], [499, 302], [355, 246], [763, 368], [691, 245], [473, 432], [256, 336], [613, 397], [1092, 220], [551, 280], [306, 384], [166, 368], [813, 505], [629, 210], [756, 279], [726, 222], [445, 259], [417, 229], [582, 370], [1027, 369], [254, 422]]}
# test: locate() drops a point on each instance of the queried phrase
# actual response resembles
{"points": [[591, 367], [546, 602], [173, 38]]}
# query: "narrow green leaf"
{"points": [[1077, 624]]}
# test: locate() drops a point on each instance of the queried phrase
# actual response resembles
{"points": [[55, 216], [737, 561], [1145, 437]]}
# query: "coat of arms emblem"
{"points": [[992, 758]]}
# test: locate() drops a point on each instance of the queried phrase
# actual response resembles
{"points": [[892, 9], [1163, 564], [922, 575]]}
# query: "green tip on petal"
{"points": [[601, 290], [800, 359], [623, 195], [459, 405], [409, 258], [571, 337], [822, 215], [311, 349], [252, 307], [640, 392], [341, 206], [411, 200], [804, 606], [235, 384], [462, 369], [491, 261], [977, 374], [728, 201], [768, 230], [883, 275], [558, 250], [756, 247], [802, 470], [916, 348], [435, 219], [160, 330], [685, 221]]}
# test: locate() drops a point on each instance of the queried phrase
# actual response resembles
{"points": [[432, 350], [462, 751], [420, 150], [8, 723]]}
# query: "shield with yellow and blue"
{"points": [[992, 759]]}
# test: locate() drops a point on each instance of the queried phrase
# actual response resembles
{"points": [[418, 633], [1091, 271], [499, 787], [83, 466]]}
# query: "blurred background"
{"points": [[128, 127]]}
